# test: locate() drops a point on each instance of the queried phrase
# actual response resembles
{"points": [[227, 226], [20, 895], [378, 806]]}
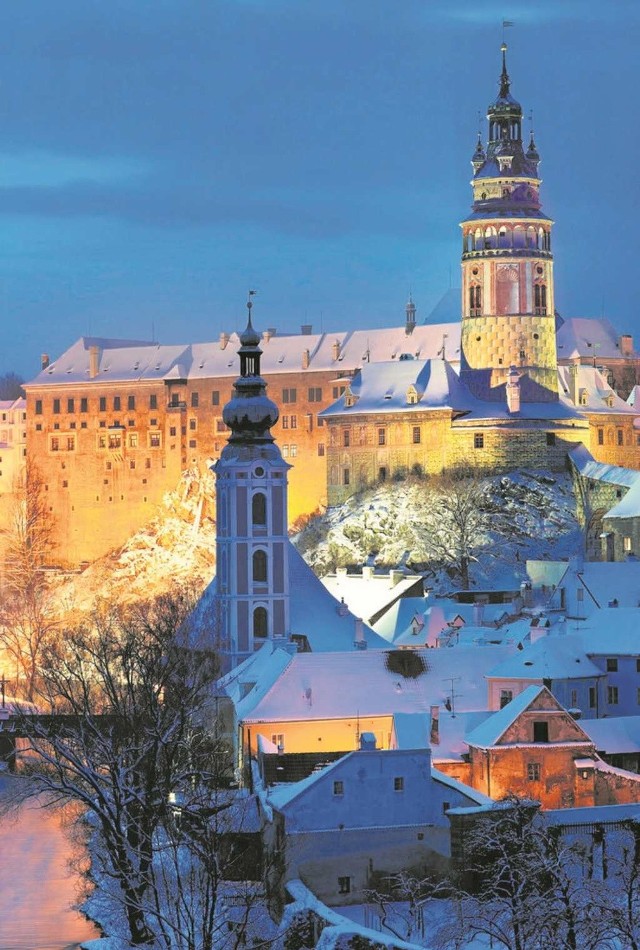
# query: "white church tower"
{"points": [[252, 583]]}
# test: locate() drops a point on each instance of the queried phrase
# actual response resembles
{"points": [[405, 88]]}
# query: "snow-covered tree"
{"points": [[133, 739]]}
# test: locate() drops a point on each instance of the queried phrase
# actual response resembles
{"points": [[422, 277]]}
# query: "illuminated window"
{"points": [[533, 771], [155, 440], [478, 440], [416, 435]]}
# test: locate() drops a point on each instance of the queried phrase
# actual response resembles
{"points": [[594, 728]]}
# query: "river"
{"points": [[37, 887]]}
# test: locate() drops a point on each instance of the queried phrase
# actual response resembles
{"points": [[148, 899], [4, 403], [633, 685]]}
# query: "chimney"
{"points": [[410, 323], [625, 345], [335, 350], [306, 329], [45, 359], [434, 737], [266, 335], [367, 572], [306, 358], [341, 572], [513, 390], [224, 339], [395, 577], [573, 383], [94, 361], [360, 643], [342, 608]]}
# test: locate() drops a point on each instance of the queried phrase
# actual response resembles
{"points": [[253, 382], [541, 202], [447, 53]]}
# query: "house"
{"points": [[371, 813]]}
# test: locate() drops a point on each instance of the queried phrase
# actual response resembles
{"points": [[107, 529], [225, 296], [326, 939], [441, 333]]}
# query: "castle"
{"points": [[112, 423]]}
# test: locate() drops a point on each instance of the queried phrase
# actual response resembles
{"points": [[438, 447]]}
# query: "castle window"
{"points": [[71, 405], [346, 438], [338, 789], [259, 509], [321, 448], [38, 407], [600, 436], [71, 443], [382, 436], [626, 544], [192, 425], [260, 567], [115, 440], [131, 403], [215, 398], [290, 395], [475, 300], [478, 440], [155, 440], [56, 406], [540, 299], [260, 623], [315, 394], [620, 434], [416, 435], [84, 404], [117, 403], [103, 404], [285, 422], [346, 477], [195, 398], [54, 444], [294, 422], [612, 695], [293, 451], [153, 401], [133, 440]]}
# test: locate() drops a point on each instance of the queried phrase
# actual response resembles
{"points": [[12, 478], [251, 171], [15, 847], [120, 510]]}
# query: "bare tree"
{"points": [[27, 621], [464, 514], [129, 737]]}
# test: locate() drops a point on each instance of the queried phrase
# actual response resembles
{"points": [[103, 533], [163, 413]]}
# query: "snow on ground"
{"points": [[534, 513], [176, 547]]}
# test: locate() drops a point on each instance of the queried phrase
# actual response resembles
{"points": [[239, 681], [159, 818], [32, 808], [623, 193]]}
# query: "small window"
{"points": [[346, 476], [398, 783], [260, 567], [117, 403], [259, 509], [541, 732], [346, 438], [290, 395], [278, 741], [620, 435], [84, 404], [56, 406], [321, 448], [71, 405], [551, 438], [612, 695], [195, 399], [315, 394], [612, 664], [102, 404], [193, 425], [478, 440], [574, 698], [293, 451], [215, 397], [260, 623], [131, 403], [626, 544], [638, 695], [154, 440], [416, 435], [506, 695], [153, 401], [382, 436], [533, 771], [344, 885], [592, 697], [338, 788], [600, 436], [38, 407]]}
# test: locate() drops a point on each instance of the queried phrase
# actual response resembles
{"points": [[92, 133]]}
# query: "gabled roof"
{"points": [[489, 733], [368, 596], [586, 337], [550, 657], [593, 392]]}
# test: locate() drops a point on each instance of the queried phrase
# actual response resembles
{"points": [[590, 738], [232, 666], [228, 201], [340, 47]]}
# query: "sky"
{"points": [[158, 158]]}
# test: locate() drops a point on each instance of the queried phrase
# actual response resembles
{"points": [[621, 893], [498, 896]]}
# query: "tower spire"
{"points": [[505, 82]]}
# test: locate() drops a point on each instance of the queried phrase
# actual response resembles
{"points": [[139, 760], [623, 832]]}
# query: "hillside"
{"points": [[508, 519], [519, 516]]}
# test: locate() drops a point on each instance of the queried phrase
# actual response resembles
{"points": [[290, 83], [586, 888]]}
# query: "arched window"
{"points": [[475, 300], [259, 508], [260, 567], [260, 623], [540, 299]]}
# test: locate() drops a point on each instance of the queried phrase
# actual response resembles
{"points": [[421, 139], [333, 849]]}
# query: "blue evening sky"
{"points": [[160, 157]]}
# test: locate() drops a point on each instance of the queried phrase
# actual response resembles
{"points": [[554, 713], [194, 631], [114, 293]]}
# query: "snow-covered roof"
{"points": [[337, 685], [614, 736], [606, 581], [513, 631], [587, 815], [546, 573], [489, 732], [550, 657], [128, 360], [247, 683], [629, 506], [612, 631], [367, 595], [411, 730], [586, 337], [586, 466], [593, 393]]}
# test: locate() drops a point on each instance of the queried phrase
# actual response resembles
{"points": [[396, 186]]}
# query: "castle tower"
{"points": [[508, 314], [252, 584]]}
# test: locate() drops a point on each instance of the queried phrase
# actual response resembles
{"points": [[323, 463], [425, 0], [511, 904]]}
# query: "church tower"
{"points": [[508, 315], [252, 583]]}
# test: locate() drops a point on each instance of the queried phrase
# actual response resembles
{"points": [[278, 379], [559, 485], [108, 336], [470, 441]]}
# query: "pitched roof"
{"points": [[551, 657], [492, 729], [586, 337]]}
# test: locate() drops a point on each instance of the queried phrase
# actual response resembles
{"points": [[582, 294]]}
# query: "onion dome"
{"points": [[250, 413]]}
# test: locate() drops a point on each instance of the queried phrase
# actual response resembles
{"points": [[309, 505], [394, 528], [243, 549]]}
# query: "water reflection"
{"points": [[37, 888]]}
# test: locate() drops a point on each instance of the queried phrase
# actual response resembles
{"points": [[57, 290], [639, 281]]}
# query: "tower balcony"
{"points": [[489, 252]]}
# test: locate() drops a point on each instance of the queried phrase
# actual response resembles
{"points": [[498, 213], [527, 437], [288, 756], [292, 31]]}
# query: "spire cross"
{"points": [[249, 306]]}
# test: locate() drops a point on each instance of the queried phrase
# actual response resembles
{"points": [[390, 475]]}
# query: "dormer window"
{"points": [[412, 396]]}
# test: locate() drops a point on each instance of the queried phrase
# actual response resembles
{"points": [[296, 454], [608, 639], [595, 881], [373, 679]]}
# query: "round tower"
{"points": [[508, 314], [252, 578]]}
